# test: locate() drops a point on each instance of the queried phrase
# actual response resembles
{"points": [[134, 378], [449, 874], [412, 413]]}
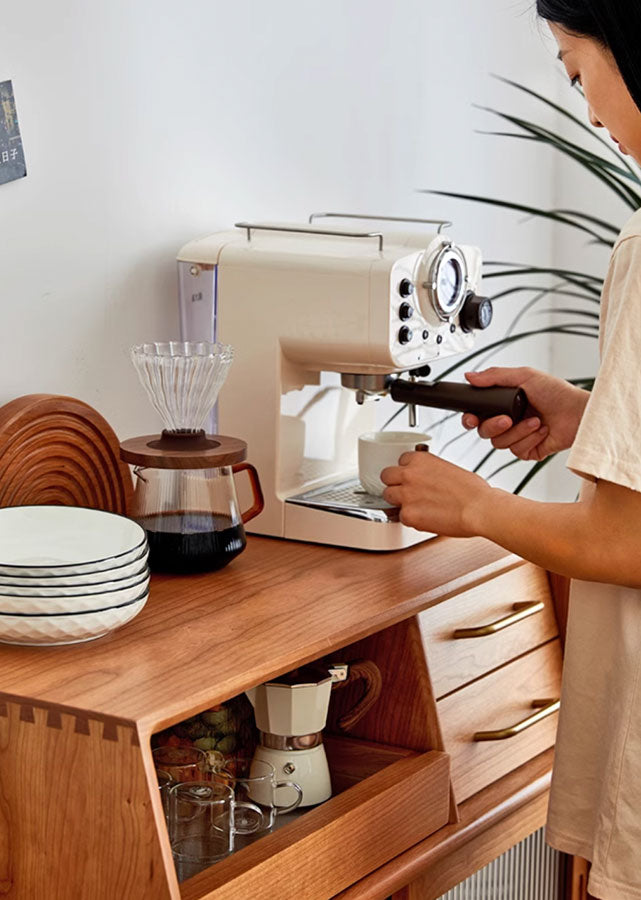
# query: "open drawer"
{"points": [[340, 841]]}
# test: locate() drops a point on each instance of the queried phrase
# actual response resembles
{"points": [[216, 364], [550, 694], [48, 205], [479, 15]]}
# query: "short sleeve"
{"points": [[608, 443]]}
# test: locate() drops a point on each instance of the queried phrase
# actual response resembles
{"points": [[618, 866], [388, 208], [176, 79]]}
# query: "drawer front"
{"points": [[495, 703], [339, 842], [491, 632]]}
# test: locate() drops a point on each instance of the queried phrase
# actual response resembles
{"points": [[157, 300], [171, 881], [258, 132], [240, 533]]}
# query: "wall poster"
{"points": [[12, 163]]}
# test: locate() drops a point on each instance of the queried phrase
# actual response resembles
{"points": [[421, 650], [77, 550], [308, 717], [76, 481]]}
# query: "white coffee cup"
{"points": [[379, 449]]}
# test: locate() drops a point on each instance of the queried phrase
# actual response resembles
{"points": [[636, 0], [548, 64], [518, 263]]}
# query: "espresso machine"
{"points": [[323, 321]]}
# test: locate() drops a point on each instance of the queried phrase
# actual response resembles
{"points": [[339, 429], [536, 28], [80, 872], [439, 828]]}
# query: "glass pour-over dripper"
{"points": [[185, 496], [182, 379]]}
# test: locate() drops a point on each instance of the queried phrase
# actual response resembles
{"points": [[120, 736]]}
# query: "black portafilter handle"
{"points": [[485, 403]]}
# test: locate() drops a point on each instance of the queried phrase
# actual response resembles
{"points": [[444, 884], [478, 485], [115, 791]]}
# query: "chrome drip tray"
{"points": [[347, 498]]}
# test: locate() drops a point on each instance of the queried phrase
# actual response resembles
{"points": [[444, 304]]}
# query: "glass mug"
{"points": [[200, 824], [254, 784], [181, 763], [165, 782], [191, 516]]}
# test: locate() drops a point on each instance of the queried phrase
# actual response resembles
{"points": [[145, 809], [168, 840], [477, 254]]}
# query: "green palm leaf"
{"points": [[566, 329], [571, 312], [485, 459], [615, 229], [534, 470], [519, 207], [507, 465], [556, 291], [574, 119], [554, 270], [599, 167], [558, 143], [575, 279]]}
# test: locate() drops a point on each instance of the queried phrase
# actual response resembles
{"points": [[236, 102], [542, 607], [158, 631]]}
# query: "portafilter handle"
{"points": [[485, 403]]}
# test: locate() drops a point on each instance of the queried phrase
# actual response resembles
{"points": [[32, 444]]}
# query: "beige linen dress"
{"points": [[595, 804]]}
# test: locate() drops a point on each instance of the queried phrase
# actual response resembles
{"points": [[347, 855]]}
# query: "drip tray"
{"points": [[347, 498]]}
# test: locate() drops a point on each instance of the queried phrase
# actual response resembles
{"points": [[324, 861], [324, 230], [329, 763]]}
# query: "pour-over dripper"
{"points": [[182, 379]]}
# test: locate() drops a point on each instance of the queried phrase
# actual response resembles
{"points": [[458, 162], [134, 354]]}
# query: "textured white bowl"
{"points": [[73, 590], [69, 605], [61, 540], [119, 573], [48, 630]]}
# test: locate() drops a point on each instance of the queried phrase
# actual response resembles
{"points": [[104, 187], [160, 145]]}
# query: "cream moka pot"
{"points": [[290, 714]]}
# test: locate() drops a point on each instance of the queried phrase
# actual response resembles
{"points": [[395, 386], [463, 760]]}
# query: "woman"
{"points": [[595, 806]]}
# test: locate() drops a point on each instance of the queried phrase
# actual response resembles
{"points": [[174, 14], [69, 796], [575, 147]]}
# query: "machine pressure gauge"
{"points": [[446, 284]]}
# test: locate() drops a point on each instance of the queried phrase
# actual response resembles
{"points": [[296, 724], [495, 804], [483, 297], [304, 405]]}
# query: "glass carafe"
{"points": [[185, 496], [192, 517]]}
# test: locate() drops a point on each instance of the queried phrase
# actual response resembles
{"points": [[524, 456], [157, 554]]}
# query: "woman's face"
{"points": [[610, 103]]}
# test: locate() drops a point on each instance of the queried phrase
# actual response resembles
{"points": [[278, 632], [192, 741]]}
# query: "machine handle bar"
{"points": [[442, 223], [296, 229]]}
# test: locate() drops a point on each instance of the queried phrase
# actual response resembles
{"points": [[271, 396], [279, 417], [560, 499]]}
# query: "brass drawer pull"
{"points": [[545, 709], [521, 611]]}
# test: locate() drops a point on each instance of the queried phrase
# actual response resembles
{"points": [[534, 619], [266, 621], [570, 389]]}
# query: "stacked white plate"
{"points": [[68, 574]]}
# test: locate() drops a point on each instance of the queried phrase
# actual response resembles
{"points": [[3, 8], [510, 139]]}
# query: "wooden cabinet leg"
{"points": [[77, 816], [577, 881], [403, 894]]}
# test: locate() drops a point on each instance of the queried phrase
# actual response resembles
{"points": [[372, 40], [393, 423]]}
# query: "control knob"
{"points": [[476, 314]]}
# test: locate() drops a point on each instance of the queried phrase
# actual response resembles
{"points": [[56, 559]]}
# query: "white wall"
{"points": [[146, 124]]}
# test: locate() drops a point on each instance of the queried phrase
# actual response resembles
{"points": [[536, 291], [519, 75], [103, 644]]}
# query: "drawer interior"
{"points": [[363, 825], [347, 837]]}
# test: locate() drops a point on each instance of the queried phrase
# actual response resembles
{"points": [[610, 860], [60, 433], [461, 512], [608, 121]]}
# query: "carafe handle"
{"points": [[257, 491]]}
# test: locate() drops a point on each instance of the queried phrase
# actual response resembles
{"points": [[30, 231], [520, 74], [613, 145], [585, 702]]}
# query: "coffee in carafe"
{"points": [[182, 542], [185, 494]]}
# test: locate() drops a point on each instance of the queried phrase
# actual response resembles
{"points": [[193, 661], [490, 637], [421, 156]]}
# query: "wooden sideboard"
{"points": [[80, 813]]}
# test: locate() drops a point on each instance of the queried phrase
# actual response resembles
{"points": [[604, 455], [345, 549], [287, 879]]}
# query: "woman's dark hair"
{"points": [[614, 23]]}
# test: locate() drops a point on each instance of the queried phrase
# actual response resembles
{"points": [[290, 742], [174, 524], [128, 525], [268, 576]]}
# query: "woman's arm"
{"points": [[596, 539]]}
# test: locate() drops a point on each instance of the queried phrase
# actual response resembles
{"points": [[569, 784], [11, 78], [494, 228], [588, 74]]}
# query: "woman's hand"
{"points": [[556, 410], [435, 495]]}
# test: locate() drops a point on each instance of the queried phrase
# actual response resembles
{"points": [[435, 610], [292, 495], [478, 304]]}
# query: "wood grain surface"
{"points": [[454, 661], [77, 818], [449, 871], [498, 701], [58, 450], [405, 713], [202, 639], [490, 822], [148, 450], [352, 761]]}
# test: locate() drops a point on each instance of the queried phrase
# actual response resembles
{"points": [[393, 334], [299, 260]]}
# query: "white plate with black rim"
{"points": [[44, 604], [42, 541], [61, 628], [118, 574]]}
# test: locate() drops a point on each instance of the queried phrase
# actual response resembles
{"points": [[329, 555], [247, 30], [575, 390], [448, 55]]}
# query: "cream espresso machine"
{"points": [[323, 320]]}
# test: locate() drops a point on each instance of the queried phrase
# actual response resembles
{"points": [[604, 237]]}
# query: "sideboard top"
{"points": [[202, 639]]}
